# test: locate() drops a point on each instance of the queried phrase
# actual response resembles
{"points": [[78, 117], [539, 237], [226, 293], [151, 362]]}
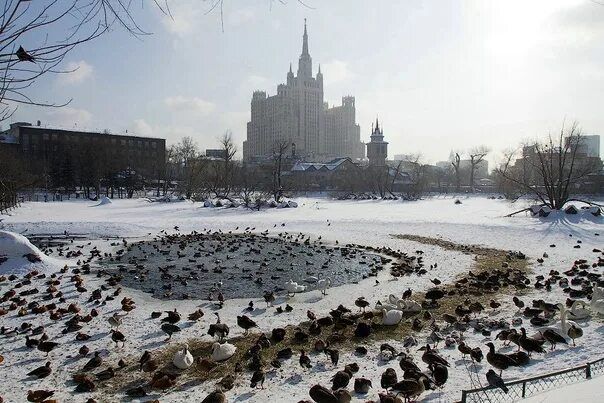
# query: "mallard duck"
{"points": [[41, 372], [217, 396], [411, 388], [389, 378], [341, 379], [574, 333], [553, 338], [245, 323], [529, 344], [498, 360], [37, 396], [362, 385], [321, 394]]}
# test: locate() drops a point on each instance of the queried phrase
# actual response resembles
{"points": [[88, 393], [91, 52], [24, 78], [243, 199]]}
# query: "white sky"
{"points": [[440, 75]]}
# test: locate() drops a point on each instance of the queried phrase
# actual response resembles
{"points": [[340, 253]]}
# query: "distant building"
{"points": [[216, 153], [77, 154], [298, 115], [589, 145], [481, 170], [377, 148]]}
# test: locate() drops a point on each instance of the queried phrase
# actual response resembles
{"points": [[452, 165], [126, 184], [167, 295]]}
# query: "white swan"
{"points": [[563, 325], [183, 359], [597, 306], [393, 299], [221, 352], [598, 293], [311, 279], [385, 305], [323, 285], [292, 287], [578, 310], [391, 317], [410, 306]]}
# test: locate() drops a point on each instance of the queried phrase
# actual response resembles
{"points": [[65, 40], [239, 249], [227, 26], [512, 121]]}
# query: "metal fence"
{"points": [[523, 388]]}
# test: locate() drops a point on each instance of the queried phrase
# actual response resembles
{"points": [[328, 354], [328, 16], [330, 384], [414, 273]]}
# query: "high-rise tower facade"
{"points": [[298, 115]]}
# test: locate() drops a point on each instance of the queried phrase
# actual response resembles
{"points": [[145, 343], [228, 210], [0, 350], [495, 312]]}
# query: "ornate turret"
{"points": [[377, 148], [305, 61]]}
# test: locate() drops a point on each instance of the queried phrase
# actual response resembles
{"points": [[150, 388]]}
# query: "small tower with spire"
{"points": [[377, 148], [290, 75], [305, 61]]}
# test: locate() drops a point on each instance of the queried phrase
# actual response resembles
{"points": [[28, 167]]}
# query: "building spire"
{"points": [[305, 41], [305, 61], [290, 67]]}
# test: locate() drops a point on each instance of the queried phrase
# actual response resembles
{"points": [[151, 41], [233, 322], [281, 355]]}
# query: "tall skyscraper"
{"points": [[298, 115]]}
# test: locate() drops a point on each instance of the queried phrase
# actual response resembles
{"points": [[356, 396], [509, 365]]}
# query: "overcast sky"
{"points": [[440, 75]]}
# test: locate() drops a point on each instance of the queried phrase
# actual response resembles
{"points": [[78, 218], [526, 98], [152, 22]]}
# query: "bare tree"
{"points": [[279, 152], [189, 164], [34, 41], [477, 155], [551, 170], [456, 163]]}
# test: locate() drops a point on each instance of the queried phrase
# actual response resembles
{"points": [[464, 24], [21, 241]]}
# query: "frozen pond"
{"points": [[187, 266]]}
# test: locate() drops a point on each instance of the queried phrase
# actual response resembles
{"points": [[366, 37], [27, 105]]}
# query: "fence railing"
{"points": [[523, 388]]}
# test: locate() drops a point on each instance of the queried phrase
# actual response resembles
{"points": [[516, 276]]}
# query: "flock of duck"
{"points": [[37, 298]]}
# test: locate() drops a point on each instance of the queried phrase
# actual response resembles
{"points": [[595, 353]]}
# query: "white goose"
{"points": [[391, 317], [292, 287], [222, 352], [183, 359]]}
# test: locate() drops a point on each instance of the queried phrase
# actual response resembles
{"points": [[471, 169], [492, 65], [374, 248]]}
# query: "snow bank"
{"points": [[104, 200], [18, 255]]}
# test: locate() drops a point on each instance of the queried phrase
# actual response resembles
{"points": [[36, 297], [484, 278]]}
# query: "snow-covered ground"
{"points": [[476, 221], [582, 392]]}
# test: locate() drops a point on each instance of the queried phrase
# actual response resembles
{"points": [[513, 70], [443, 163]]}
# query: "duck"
{"points": [[116, 320], [292, 287], [47, 346], [222, 352], [245, 323], [93, 363], [391, 317], [553, 338], [498, 360], [217, 396], [411, 388], [218, 329], [321, 394], [304, 360], [341, 379], [361, 303], [183, 359], [40, 395], [257, 378], [389, 378], [170, 329], [362, 385], [118, 337], [574, 333], [529, 344], [41, 372]]}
